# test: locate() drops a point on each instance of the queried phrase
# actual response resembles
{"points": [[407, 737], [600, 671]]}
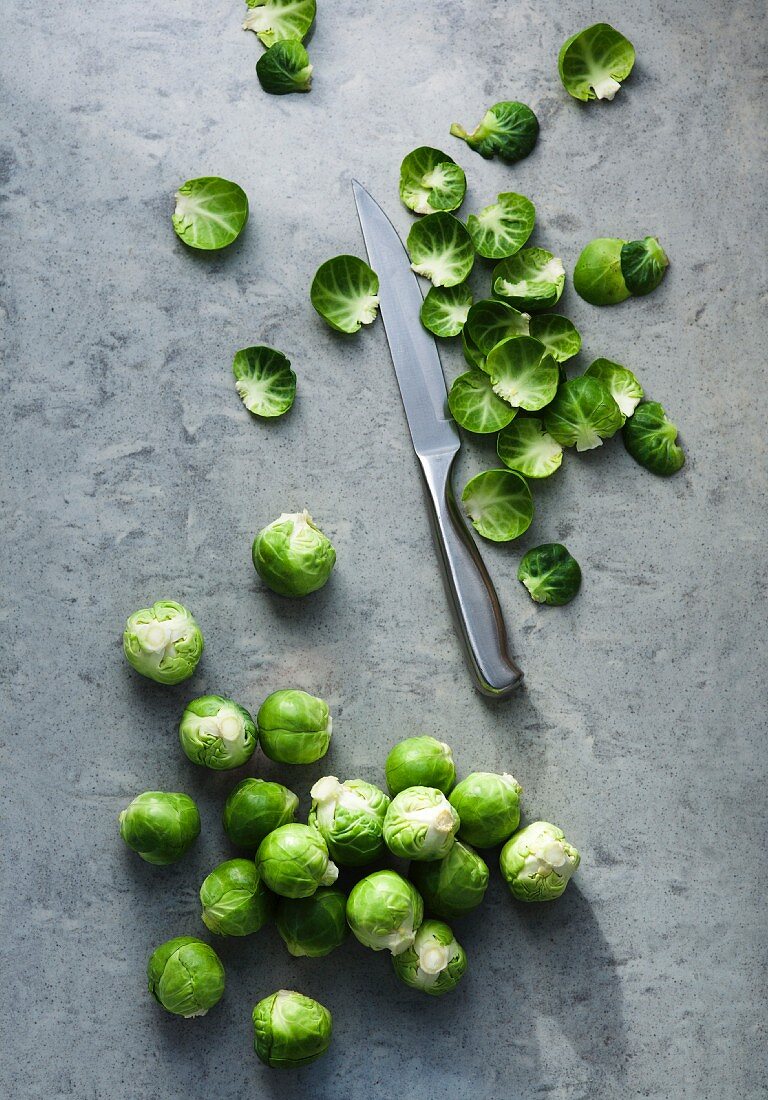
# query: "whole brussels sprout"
{"points": [[290, 1029], [384, 910], [160, 826], [538, 862], [454, 885], [235, 901], [488, 806], [294, 727], [255, 808], [293, 861], [420, 824], [217, 733], [350, 818], [163, 642], [434, 963], [186, 976], [292, 556], [420, 762], [313, 926]]}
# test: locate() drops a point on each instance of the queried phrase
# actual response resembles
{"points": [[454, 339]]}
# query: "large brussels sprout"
{"points": [[454, 885], [537, 862], [313, 926], [264, 380], [349, 817], [474, 404], [550, 574], [525, 447], [434, 963], [279, 20], [294, 727], [499, 503], [643, 265], [256, 807], [290, 1029], [292, 555], [431, 181], [532, 279], [420, 762], [597, 276], [420, 824], [508, 130], [651, 439], [217, 733], [210, 212], [163, 642], [234, 899], [284, 68], [293, 861], [345, 292], [523, 373], [186, 976], [384, 911], [621, 383], [441, 249], [488, 806], [160, 826], [445, 309], [502, 228], [583, 412], [593, 62]]}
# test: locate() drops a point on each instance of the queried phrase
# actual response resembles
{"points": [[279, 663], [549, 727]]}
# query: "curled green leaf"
{"points": [[533, 279], [284, 68], [527, 448], [431, 181], [593, 62], [651, 439], [621, 383], [441, 249], [499, 503], [643, 265], [345, 293], [279, 20], [559, 336], [445, 308], [502, 228], [550, 573], [210, 212], [583, 413], [264, 380], [523, 373], [489, 322], [475, 406], [508, 130]]}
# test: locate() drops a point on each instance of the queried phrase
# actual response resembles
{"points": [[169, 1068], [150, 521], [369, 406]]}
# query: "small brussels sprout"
{"points": [[475, 406], [550, 574], [384, 911], [163, 642], [593, 62], [643, 265], [651, 439], [294, 727], [420, 824], [454, 885], [597, 276], [210, 212], [420, 762], [217, 733], [350, 818], [441, 249], [488, 323], [292, 555], [621, 383], [159, 826], [256, 807], [499, 503], [234, 899], [264, 380], [435, 963], [583, 412], [284, 68], [537, 862], [525, 447], [502, 229], [290, 1029], [523, 373], [186, 976], [508, 130], [532, 279], [280, 20], [445, 309], [559, 336], [345, 292], [488, 806], [431, 181], [313, 926], [293, 861]]}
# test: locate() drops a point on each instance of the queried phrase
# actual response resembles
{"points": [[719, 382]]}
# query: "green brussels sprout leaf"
{"points": [[255, 808], [445, 308], [290, 1029], [583, 413], [294, 727], [474, 405], [559, 336], [185, 976], [234, 899], [160, 826], [314, 926], [264, 380], [502, 229], [217, 733], [454, 885], [597, 276], [508, 130], [489, 322], [488, 806], [279, 20], [293, 861], [420, 762], [345, 293], [210, 212], [523, 373], [384, 911], [163, 642], [435, 963], [651, 439], [499, 503], [292, 555], [284, 68], [621, 383], [537, 862], [550, 574], [350, 818], [441, 249], [420, 824], [593, 62], [472, 354], [431, 181], [532, 279], [643, 265], [525, 447]]}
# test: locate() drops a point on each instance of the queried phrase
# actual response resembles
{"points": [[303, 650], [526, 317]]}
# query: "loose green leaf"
{"points": [[550, 574], [593, 62], [621, 383], [264, 380], [472, 353], [502, 229], [508, 130], [475, 406], [522, 373], [445, 308], [559, 336], [285, 68], [583, 413], [210, 212], [597, 276], [525, 446], [441, 249], [279, 20], [643, 265], [651, 439], [532, 279], [489, 322], [499, 504], [431, 181], [345, 293]]}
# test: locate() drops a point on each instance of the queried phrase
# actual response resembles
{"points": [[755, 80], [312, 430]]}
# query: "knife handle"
{"points": [[474, 598]]}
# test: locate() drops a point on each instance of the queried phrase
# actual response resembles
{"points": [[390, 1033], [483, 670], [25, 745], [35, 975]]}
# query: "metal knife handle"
{"points": [[474, 598]]}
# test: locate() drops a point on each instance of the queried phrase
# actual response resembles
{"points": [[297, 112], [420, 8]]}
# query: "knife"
{"points": [[436, 443]]}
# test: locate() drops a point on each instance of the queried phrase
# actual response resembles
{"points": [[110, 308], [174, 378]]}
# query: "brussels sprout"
{"points": [[345, 293], [488, 806], [651, 440], [293, 861], [441, 249], [583, 412], [234, 899], [290, 1029], [593, 62], [349, 817], [621, 383], [537, 862], [474, 405], [523, 373], [643, 265], [264, 380], [431, 181], [445, 309], [420, 824], [160, 826], [384, 911], [292, 555], [313, 926], [499, 504], [294, 727], [508, 130], [284, 68], [420, 762], [531, 279], [525, 447], [217, 733], [550, 574], [163, 642], [186, 976], [454, 885], [597, 275], [279, 20], [559, 336], [503, 228], [435, 963], [489, 322], [254, 808], [210, 212]]}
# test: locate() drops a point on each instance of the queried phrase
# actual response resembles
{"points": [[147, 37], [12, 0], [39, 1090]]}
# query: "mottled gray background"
{"points": [[132, 472]]}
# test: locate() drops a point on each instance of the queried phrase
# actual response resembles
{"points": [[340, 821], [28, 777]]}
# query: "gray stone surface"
{"points": [[132, 472]]}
